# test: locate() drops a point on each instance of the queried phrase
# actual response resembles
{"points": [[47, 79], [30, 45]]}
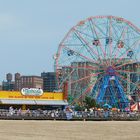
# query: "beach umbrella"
{"points": [[127, 109], [107, 106], [114, 109]]}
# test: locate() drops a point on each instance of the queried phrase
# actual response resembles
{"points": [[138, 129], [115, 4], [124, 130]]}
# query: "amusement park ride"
{"points": [[100, 57]]}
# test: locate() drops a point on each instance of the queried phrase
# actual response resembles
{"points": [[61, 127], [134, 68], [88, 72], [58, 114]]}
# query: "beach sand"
{"points": [[69, 130]]}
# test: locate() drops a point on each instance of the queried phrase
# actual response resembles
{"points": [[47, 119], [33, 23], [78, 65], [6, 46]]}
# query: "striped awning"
{"points": [[33, 102]]}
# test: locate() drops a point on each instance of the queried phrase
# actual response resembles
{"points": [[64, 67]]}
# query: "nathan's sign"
{"points": [[32, 91]]}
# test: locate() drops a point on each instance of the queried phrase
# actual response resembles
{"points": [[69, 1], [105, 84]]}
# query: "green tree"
{"points": [[70, 99], [79, 108], [89, 102]]}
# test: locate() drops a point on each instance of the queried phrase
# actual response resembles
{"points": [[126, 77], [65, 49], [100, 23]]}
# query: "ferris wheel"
{"points": [[100, 57]]}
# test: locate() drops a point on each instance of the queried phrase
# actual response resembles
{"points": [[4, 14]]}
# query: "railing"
{"points": [[64, 115]]}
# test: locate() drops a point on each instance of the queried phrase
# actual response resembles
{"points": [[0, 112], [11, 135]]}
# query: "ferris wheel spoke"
{"points": [[87, 44], [80, 55], [116, 55], [133, 45], [127, 82], [81, 32], [82, 67], [115, 32], [96, 34], [96, 25], [86, 77], [60, 45], [129, 48], [90, 25], [116, 46], [88, 89], [67, 60], [116, 50], [110, 37], [66, 78], [125, 79], [89, 49], [125, 71], [97, 37], [74, 45], [74, 56], [124, 53], [124, 64]]}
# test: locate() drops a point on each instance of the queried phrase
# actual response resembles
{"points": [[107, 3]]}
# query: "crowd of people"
{"points": [[69, 113]]}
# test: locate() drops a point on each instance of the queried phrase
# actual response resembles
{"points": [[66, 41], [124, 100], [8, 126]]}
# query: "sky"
{"points": [[31, 30]]}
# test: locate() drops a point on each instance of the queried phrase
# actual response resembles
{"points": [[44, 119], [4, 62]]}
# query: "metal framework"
{"points": [[100, 57]]}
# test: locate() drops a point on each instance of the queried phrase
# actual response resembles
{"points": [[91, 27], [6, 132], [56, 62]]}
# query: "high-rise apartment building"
{"points": [[28, 82], [8, 84], [49, 81]]}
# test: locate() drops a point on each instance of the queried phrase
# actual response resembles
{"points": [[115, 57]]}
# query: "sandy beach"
{"points": [[69, 130]]}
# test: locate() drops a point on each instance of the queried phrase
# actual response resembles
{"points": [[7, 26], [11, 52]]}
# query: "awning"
{"points": [[33, 102], [51, 102], [18, 102]]}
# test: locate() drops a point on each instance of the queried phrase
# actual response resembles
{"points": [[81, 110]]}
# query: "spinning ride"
{"points": [[100, 57]]}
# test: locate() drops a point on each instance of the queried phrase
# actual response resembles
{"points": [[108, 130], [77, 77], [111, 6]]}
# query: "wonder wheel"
{"points": [[100, 57]]}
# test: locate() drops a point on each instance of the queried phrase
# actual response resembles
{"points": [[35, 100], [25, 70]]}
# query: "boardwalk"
{"points": [[69, 130]]}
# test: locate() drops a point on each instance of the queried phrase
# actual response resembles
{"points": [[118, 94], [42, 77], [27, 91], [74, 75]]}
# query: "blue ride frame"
{"points": [[110, 91]]}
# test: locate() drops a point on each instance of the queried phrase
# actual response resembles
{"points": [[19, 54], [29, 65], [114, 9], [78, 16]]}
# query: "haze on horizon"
{"points": [[31, 30]]}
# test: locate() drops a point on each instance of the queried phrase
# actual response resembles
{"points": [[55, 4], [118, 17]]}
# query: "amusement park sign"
{"points": [[32, 91]]}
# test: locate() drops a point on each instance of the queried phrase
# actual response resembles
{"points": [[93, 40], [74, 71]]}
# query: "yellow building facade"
{"points": [[31, 98]]}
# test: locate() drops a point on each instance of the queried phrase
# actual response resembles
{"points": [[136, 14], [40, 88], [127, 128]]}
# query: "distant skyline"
{"points": [[31, 30]]}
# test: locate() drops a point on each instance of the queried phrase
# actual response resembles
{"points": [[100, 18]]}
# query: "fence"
{"points": [[68, 115]]}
